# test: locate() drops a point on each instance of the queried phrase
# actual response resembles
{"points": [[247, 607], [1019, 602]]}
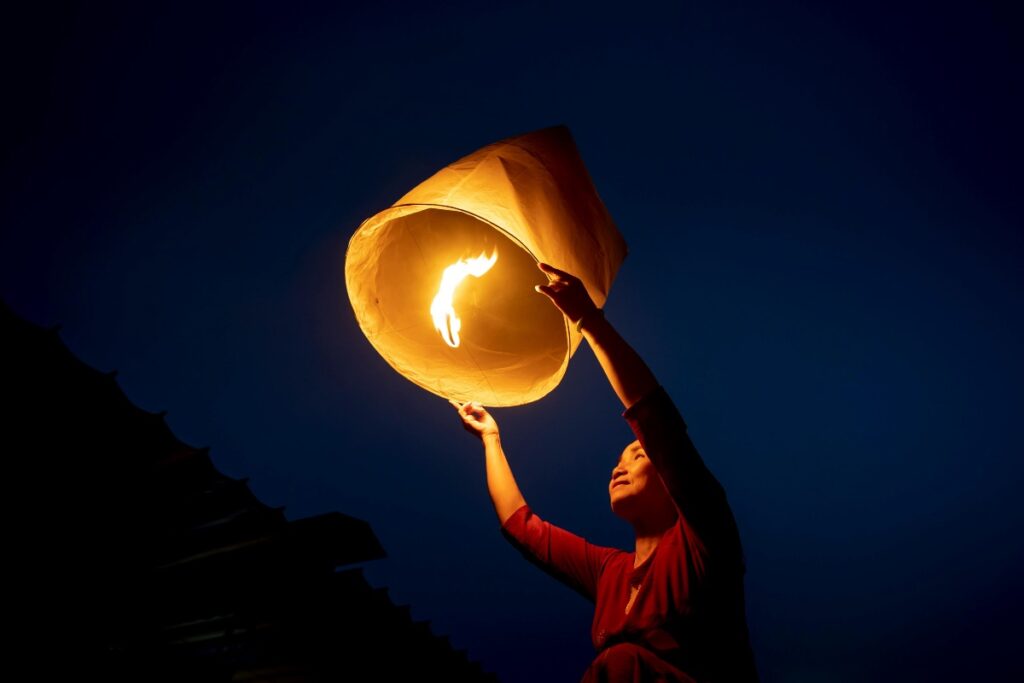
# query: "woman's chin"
{"points": [[623, 503]]}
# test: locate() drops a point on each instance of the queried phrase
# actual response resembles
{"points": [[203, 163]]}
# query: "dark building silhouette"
{"points": [[130, 557]]}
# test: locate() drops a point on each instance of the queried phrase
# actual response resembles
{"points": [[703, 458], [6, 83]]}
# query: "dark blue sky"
{"points": [[824, 216]]}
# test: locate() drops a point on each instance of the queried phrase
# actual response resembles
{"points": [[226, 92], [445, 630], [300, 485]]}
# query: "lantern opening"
{"points": [[395, 266]]}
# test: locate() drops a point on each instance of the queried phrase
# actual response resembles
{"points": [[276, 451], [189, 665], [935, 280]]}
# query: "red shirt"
{"points": [[688, 622]]}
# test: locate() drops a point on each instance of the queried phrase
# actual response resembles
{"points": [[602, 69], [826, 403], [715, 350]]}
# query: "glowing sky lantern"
{"points": [[442, 282]]}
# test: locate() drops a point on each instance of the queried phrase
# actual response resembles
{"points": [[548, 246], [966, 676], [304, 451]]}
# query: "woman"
{"points": [[672, 610]]}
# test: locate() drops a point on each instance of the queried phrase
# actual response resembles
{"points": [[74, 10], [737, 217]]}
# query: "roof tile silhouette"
{"points": [[131, 557]]}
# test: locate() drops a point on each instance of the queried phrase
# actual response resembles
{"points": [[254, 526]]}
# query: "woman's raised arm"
{"points": [[626, 371], [501, 483]]}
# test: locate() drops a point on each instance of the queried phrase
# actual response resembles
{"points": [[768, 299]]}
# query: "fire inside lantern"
{"points": [[441, 309]]}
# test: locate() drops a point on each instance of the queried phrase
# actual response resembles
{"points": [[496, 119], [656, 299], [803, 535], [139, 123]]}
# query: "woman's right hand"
{"points": [[567, 292], [501, 484], [475, 419]]}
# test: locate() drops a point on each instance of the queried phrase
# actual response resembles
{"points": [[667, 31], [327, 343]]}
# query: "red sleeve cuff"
{"points": [[516, 524]]}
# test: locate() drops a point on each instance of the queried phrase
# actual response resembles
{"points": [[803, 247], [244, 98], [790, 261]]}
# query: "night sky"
{"points": [[824, 214]]}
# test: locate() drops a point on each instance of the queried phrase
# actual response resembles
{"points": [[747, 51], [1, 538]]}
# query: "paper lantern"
{"points": [[442, 282]]}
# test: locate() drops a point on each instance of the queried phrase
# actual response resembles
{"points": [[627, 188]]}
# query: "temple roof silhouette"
{"points": [[131, 557]]}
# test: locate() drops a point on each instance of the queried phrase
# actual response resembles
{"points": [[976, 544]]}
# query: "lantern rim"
{"points": [[381, 217]]}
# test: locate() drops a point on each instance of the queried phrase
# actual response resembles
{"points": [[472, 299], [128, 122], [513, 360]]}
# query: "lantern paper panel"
{"points": [[503, 208]]}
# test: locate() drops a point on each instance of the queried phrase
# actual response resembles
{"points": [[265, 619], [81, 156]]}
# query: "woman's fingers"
{"points": [[461, 407], [551, 270], [548, 268], [470, 409]]}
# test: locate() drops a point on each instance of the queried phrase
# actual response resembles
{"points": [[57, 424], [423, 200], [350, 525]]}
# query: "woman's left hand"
{"points": [[566, 292], [475, 419]]}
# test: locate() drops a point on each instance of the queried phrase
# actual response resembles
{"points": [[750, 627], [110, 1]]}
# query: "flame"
{"points": [[445, 320]]}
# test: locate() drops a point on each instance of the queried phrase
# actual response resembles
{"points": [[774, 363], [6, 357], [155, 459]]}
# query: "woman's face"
{"points": [[635, 485]]}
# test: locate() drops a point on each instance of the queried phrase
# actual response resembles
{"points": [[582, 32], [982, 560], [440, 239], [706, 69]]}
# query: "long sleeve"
{"points": [[564, 555], [701, 500]]}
